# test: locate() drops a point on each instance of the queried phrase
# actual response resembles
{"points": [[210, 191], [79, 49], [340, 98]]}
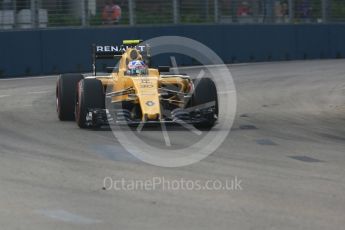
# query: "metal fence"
{"points": [[25, 14]]}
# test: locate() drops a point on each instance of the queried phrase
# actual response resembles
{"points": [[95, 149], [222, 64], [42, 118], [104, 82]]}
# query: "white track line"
{"points": [[68, 217], [27, 78], [29, 93], [39, 92]]}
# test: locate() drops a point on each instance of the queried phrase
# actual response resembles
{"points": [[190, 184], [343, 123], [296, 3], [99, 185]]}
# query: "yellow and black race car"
{"points": [[133, 93]]}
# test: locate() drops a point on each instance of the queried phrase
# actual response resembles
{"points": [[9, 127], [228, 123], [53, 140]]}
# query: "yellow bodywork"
{"points": [[142, 90]]}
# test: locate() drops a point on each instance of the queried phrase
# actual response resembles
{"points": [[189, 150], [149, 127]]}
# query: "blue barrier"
{"points": [[25, 53]]}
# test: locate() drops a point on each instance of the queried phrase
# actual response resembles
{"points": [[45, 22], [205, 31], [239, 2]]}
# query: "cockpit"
{"points": [[137, 68]]}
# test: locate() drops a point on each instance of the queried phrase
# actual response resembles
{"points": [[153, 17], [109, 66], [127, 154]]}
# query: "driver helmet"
{"points": [[137, 67]]}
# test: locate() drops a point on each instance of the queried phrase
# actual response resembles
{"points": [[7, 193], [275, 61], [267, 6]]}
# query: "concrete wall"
{"points": [[24, 53]]}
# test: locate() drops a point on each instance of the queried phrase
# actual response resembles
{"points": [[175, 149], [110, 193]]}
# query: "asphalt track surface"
{"points": [[287, 146]]}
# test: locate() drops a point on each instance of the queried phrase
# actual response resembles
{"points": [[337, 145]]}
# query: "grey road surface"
{"points": [[286, 149]]}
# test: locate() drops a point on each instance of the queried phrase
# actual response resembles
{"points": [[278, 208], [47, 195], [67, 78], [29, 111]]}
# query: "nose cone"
{"points": [[147, 90]]}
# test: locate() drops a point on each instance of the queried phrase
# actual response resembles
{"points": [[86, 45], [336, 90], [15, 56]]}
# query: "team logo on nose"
{"points": [[150, 103]]}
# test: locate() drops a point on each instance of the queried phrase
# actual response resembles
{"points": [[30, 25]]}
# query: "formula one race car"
{"points": [[134, 94]]}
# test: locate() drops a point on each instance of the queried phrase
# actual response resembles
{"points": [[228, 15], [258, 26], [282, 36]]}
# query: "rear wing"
{"points": [[102, 52]]}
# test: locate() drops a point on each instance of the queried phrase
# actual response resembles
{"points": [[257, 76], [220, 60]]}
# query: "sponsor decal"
{"points": [[145, 81], [118, 48], [146, 84], [150, 103]]}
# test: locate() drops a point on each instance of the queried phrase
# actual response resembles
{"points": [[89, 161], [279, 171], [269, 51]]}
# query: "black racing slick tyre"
{"points": [[90, 95], [66, 88], [206, 92]]}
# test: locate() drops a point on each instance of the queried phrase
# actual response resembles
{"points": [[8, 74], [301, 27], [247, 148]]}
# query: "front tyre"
{"points": [[206, 92], [66, 88], [90, 96]]}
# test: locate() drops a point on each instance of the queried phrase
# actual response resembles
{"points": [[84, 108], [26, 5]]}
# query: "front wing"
{"points": [[195, 115]]}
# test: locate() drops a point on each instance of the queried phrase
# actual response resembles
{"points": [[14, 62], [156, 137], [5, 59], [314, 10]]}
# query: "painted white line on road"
{"points": [[205, 66], [40, 92], [246, 64], [27, 78], [226, 92], [65, 216], [2, 96]]}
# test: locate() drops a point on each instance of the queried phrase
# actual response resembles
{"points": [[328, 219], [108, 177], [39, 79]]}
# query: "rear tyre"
{"points": [[206, 92], [66, 88], [90, 95]]}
